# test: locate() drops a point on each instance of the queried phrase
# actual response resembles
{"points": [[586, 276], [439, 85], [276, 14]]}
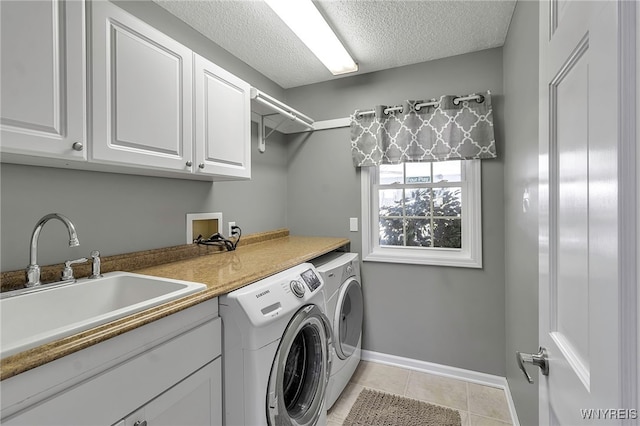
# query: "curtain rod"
{"points": [[456, 101]]}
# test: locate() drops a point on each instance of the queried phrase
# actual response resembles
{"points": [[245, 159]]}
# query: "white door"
{"points": [[582, 313], [142, 93], [43, 78], [223, 122]]}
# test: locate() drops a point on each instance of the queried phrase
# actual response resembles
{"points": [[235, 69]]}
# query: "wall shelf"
{"points": [[273, 114]]}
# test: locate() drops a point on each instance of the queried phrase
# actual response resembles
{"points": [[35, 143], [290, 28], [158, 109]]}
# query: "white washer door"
{"points": [[347, 322], [300, 370]]}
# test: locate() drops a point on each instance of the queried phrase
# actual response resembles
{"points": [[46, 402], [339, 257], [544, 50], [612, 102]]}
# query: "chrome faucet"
{"points": [[95, 266], [33, 270]]}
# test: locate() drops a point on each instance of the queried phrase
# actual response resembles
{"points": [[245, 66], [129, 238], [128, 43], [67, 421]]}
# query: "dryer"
{"points": [[345, 307], [276, 350]]}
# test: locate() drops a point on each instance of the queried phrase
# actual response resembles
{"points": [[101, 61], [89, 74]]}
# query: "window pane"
{"points": [[447, 201], [418, 232], [447, 171], [447, 233], [391, 173], [418, 202], [391, 232], [418, 173], [390, 202]]}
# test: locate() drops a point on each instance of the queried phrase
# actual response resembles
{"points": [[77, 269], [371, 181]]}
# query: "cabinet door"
{"points": [[142, 93], [223, 122], [42, 78], [195, 401]]}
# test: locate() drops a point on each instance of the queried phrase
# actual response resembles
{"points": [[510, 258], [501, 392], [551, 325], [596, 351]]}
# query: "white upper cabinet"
{"points": [[223, 122], [142, 93], [43, 79], [142, 96]]}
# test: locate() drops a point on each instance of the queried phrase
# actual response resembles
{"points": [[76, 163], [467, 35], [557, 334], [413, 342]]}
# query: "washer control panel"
{"points": [[278, 294]]}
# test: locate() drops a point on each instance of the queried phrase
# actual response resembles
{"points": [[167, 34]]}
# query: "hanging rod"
{"points": [[281, 108], [456, 101]]}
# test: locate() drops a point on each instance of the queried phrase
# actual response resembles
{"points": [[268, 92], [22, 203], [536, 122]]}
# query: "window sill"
{"points": [[407, 256]]}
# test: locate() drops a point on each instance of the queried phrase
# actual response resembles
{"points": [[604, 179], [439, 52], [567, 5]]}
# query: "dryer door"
{"points": [[347, 323], [300, 370]]}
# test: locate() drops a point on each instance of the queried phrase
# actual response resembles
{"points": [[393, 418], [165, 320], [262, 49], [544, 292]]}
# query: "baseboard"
{"points": [[445, 371]]}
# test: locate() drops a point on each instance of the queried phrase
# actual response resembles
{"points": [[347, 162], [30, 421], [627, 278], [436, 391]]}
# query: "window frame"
{"points": [[469, 256]]}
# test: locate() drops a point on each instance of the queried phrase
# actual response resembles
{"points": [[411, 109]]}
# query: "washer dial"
{"points": [[297, 288]]}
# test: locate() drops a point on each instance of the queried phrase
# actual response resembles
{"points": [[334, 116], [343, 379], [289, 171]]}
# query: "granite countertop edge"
{"points": [[193, 269]]}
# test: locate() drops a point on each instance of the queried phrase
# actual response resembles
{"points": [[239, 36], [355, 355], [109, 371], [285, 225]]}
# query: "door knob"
{"points": [[540, 359]]}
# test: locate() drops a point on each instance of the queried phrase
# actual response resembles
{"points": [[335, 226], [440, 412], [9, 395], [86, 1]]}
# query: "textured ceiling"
{"points": [[378, 34]]}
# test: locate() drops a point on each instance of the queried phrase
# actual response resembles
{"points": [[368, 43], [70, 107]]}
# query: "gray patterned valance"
{"points": [[446, 129]]}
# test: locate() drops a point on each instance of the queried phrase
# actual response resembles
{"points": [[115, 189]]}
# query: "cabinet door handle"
{"points": [[140, 423], [189, 163], [77, 146], [201, 165]]}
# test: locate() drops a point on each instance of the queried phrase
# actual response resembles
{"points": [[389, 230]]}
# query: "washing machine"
{"points": [[276, 351], [341, 275]]}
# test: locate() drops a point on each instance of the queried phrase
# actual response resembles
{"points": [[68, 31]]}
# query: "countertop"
{"points": [[221, 272]]}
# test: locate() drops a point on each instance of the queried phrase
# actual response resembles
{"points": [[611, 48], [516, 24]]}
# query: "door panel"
{"points": [[569, 141], [146, 118], [579, 233], [224, 101]]}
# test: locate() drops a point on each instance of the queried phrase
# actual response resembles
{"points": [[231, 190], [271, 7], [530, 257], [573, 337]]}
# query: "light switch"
{"points": [[353, 224]]}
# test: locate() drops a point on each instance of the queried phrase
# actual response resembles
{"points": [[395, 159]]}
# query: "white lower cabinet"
{"points": [[186, 403], [167, 372]]}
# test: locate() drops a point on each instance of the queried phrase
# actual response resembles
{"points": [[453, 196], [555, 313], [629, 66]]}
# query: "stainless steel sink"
{"points": [[43, 315]]}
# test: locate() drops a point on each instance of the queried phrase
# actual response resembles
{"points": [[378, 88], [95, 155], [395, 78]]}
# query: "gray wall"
{"points": [[117, 213], [520, 54], [451, 316]]}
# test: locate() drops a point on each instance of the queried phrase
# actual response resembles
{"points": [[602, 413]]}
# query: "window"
{"points": [[423, 213]]}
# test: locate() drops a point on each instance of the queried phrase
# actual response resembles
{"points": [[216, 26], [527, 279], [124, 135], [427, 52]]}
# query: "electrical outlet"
{"points": [[231, 225]]}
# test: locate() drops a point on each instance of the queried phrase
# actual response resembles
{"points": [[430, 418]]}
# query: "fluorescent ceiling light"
{"points": [[307, 23]]}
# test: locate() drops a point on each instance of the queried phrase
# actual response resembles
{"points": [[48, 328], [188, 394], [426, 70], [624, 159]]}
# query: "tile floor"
{"points": [[478, 405]]}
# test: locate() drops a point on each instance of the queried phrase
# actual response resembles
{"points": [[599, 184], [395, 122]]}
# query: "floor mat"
{"points": [[373, 408]]}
